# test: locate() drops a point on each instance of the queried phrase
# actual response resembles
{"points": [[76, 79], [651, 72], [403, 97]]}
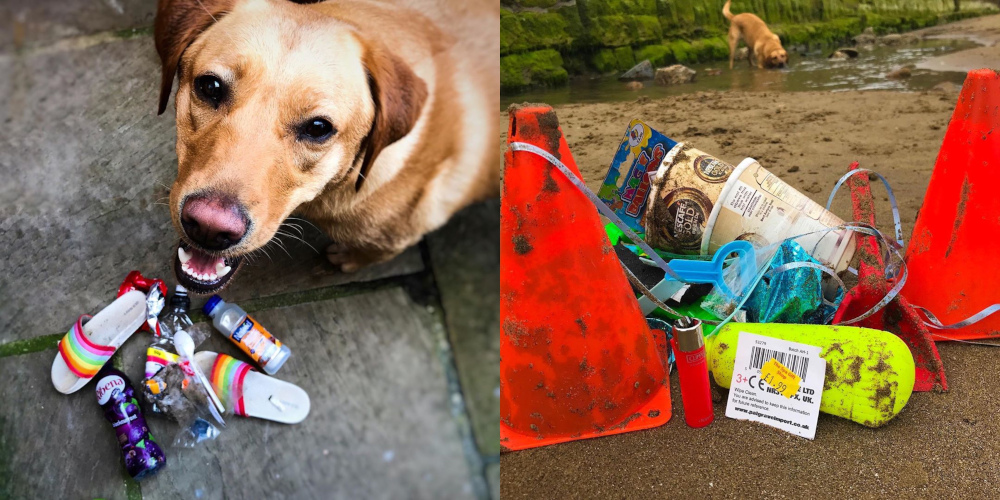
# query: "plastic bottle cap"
{"points": [[276, 362], [212, 303]]}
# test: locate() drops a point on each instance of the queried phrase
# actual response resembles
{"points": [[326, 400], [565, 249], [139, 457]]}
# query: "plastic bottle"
{"points": [[247, 333], [143, 457], [176, 317], [692, 370], [161, 351]]}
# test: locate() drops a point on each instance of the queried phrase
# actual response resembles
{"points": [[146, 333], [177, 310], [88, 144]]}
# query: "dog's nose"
{"points": [[214, 222]]}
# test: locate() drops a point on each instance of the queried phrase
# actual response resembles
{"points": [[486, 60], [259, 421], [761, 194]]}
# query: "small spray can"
{"points": [[692, 369], [143, 457], [247, 333]]}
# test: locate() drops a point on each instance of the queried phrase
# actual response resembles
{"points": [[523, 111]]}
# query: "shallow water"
{"points": [[808, 71]]}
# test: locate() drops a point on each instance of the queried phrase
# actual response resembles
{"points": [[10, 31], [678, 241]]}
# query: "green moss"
{"points": [[542, 67], [625, 57], [683, 52], [621, 30], [660, 55], [526, 31], [574, 26], [544, 4], [604, 61], [616, 7], [31, 345], [613, 60], [134, 33], [819, 34], [711, 49]]}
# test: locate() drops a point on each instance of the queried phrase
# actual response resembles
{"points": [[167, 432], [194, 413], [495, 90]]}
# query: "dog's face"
{"points": [[275, 105], [777, 58]]}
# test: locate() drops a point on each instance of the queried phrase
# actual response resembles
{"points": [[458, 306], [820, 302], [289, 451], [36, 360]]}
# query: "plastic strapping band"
{"points": [[604, 209], [898, 226], [935, 323]]}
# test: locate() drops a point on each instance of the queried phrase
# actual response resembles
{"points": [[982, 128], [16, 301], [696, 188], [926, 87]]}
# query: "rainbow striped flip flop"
{"points": [[250, 393], [92, 340]]}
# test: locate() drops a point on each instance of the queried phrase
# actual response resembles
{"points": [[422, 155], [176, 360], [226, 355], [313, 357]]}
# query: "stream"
{"points": [[810, 71]]}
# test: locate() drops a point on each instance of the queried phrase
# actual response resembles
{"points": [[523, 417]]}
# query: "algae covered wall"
{"points": [[543, 42]]}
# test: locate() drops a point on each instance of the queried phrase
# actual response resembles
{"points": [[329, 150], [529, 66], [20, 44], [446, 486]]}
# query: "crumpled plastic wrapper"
{"points": [[794, 296], [184, 399]]}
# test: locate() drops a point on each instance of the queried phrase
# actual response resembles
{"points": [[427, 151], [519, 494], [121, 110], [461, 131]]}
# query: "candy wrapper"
{"points": [[156, 293], [627, 185]]}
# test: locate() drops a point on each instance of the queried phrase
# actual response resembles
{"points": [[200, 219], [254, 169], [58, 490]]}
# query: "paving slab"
{"points": [[33, 22], [465, 256], [87, 165], [493, 475], [380, 424], [52, 445]]}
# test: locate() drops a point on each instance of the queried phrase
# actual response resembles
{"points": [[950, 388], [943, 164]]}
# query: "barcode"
{"points": [[797, 364]]}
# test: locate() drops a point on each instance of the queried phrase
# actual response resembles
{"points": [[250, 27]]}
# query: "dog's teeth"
{"points": [[183, 255], [222, 269]]}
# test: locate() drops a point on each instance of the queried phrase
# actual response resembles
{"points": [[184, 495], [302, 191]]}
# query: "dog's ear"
{"points": [[178, 23], [398, 94]]}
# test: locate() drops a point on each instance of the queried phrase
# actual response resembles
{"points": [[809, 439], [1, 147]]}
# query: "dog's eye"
{"points": [[211, 89], [316, 130]]}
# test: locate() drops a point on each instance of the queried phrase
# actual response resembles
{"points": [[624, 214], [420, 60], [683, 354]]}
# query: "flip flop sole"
{"points": [[264, 396], [112, 326]]}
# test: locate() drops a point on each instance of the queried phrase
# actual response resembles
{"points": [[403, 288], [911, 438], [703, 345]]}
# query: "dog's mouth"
{"points": [[203, 273]]}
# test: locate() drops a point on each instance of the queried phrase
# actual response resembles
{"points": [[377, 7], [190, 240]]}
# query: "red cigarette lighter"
{"points": [[692, 369]]}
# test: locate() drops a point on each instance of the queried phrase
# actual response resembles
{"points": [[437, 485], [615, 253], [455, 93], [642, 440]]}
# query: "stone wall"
{"points": [[543, 42]]}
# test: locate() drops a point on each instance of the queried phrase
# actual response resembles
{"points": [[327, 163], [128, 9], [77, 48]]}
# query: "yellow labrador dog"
{"points": [[765, 48], [373, 119]]}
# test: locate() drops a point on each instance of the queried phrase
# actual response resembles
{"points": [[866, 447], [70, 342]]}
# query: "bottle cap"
{"points": [[212, 303], [275, 363]]}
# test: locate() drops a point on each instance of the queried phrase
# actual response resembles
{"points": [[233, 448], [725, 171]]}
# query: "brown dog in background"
{"points": [[765, 48], [373, 119]]}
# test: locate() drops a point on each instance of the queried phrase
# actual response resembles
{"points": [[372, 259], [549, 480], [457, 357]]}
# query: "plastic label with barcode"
{"points": [[752, 396]]}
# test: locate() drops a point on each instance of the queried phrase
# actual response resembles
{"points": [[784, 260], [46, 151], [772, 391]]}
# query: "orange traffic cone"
{"points": [[577, 359], [952, 254]]}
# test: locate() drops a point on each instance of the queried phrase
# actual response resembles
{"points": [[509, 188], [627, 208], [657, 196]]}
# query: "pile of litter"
{"points": [[725, 270], [197, 390]]}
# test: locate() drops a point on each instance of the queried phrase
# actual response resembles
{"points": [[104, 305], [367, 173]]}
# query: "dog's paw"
{"points": [[351, 259], [346, 258]]}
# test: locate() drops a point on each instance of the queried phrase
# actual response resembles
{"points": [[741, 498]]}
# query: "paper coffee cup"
{"points": [[700, 203], [682, 197]]}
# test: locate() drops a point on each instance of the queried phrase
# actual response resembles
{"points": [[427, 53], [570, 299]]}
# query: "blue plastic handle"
{"points": [[711, 271]]}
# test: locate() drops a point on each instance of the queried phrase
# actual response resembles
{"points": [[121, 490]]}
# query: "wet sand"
{"points": [[941, 445]]}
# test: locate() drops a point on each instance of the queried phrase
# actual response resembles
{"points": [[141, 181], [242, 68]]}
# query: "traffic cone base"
{"points": [[577, 358], [952, 254]]}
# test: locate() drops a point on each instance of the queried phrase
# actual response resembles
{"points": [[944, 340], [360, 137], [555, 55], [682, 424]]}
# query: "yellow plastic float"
{"points": [[869, 373]]}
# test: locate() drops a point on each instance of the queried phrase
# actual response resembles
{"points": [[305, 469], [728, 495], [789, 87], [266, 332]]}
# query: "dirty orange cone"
{"points": [[952, 254], [577, 359]]}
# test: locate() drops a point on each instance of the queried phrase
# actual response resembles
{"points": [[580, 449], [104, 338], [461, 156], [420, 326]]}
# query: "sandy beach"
{"points": [[941, 445]]}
